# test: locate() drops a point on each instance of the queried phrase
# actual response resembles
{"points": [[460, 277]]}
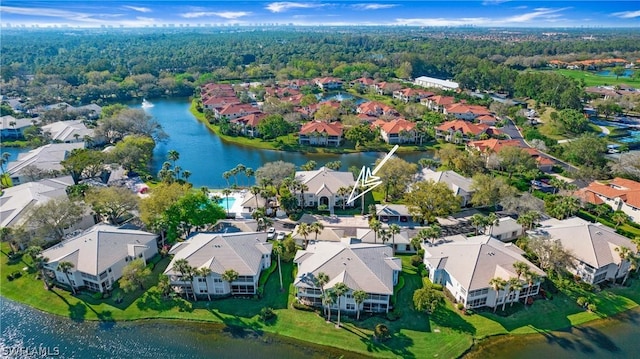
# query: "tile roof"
{"points": [[100, 247], [395, 126], [627, 190], [252, 119], [367, 267], [442, 100], [464, 108], [332, 129], [454, 181], [463, 126], [241, 252]]}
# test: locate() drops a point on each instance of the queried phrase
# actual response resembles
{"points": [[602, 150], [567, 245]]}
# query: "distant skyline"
{"points": [[481, 13]]}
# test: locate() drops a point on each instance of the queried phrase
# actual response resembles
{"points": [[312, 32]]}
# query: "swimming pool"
{"points": [[226, 202], [634, 136]]}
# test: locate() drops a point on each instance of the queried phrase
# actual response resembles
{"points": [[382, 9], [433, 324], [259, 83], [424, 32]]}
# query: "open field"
{"points": [[592, 79]]}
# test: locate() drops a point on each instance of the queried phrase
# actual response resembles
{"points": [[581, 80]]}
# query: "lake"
{"points": [[207, 156], [615, 337], [25, 330]]}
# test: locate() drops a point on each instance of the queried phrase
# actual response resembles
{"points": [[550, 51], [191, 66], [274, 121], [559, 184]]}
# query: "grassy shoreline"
{"points": [[447, 333], [289, 144]]}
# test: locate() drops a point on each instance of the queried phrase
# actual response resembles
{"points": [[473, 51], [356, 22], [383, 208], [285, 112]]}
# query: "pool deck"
{"points": [[236, 207]]}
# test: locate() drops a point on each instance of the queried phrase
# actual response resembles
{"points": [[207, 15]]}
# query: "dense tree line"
{"points": [[82, 66]]}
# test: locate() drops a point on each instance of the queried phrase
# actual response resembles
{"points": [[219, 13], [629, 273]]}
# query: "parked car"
{"points": [[281, 236], [271, 233]]}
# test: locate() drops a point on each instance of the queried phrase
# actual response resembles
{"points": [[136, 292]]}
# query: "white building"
{"points": [[99, 255], [323, 185], [465, 266], [368, 267], [432, 82], [68, 131], [592, 245], [45, 159], [246, 253]]}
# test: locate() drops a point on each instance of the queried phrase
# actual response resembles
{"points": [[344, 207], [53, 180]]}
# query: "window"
{"points": [[477, 302], [201, 280], [109, 270], [600, 277], [217, 280], [140, 255], [514, 233], [351, 306]]}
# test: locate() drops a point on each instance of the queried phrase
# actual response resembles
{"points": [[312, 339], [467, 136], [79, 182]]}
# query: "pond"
{"points": [[615, 337], [627, 73], [206, 156], [27, 333]]}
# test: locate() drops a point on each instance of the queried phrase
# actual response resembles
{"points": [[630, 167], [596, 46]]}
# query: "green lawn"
{"points": [[592, 79], [445, 334]]}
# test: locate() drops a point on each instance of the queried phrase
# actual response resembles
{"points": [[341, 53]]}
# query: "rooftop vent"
{"points": [[598, 232]]}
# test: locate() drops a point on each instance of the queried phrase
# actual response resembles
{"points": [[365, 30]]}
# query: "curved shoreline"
{"points": [[262, 145]]}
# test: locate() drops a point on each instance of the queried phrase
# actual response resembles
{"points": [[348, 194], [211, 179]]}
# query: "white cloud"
{"points": [[627, 14], [543, 13], [137, 8], [443, 21], [494, 2], [373, 6], [47, 12], [222, 14], [286, 5]]}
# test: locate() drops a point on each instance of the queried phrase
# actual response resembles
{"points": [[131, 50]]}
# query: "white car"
{"points": [[271, 233], [281, 236]]}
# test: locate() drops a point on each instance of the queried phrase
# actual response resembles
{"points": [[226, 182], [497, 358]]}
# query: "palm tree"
{"points": [[529, 219], [532, 278], [394, 229], [328, 299], [340, 289], [619, 218], [515, 285], [278, 250], [384, 235], [255, 190], [375, 225], [302, 187], [316, 227], [359, 297], [626, 255], [321, 279], [229, 276], [65, 267], [226, 175], [344, 192], [185, 270], [497, 284], [304, 230], [415, 242], [249, 172], [35, 252], [204, 273], [478, 220], [4, 160], [186, 174], [240, 168], [173, 156], [226, 192], [432, 232], [492, 220], [520, 268]]}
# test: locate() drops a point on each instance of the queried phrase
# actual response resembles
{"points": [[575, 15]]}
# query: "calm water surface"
{"points": [[617, 337], [27, 332], [207, 156]]}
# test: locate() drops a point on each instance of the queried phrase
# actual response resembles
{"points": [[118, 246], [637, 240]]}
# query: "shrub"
{"points": [[394, 315], [267, 314], [582, 301], [382, 332], [97, 296], [16, 274], [460, 306], [416, 260], [300, 306], [438, 287], [592, 308], [9, 277]]}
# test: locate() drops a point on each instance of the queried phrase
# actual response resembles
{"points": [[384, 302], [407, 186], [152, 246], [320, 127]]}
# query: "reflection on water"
{"points": [[615, 337], [206, 156], [28, 333]]}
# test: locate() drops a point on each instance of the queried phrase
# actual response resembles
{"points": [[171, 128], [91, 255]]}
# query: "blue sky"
{"points": [[485, 13]]}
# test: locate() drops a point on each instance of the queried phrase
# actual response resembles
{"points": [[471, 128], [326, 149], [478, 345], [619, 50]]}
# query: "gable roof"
{"points": [[5, 122], [219, 252], [627, 190], [100, 247], [397, 126], [324, 179], [474, 261], [66, 130], [367, 267], [476, 110], [442, 100], [591, 243], [16, 201], [251, 120], [454, 181], [331, 129], [463, 126], [375, 107], [47, 157]]}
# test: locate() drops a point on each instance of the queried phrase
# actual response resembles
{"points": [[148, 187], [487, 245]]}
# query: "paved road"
{"points": [[513, 132]]}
